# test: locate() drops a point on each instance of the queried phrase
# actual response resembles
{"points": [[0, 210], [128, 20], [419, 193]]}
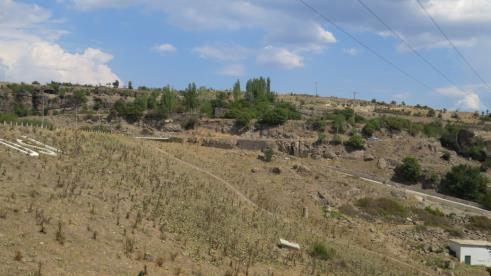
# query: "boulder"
{"points": [[300, 169], [368, 157], [276, 170], [329, 155], [381, 163]]}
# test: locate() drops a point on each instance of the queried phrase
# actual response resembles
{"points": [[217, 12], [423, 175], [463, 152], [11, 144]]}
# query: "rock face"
{"points": [[295, 148], [253, 144], [219, 143]]}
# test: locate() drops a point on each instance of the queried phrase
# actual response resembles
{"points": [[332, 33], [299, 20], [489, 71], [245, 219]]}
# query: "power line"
{"points": [[409, 46], [453, 45], [368, 48], [415, 52]]}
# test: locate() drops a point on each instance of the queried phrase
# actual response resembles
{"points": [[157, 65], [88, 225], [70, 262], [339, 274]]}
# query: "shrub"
{"points": [[480, 223], [382, 207], [465, 182], [356, 142], [446, 156], [434, 211], [268, 155], [190, 123], [322, 138], [21, 111], [336, 140], [275, 117], [433, 129], [243, 118], [339, 124], [321, 252], [317, 124], [409, 171], [7, 117], [370, 127], [486, 201]]}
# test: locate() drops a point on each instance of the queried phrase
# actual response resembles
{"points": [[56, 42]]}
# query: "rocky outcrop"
{"points": [[219, 143], [257, 145]]}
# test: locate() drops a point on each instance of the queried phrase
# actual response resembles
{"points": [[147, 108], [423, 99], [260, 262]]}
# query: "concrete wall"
{"points": [[479, 255]]}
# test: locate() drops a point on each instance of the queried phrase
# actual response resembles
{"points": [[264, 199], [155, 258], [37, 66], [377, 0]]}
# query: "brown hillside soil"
{"points": [[112, 205]]}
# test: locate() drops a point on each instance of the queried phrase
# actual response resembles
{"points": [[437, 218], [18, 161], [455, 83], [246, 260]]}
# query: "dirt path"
{"points": [[244, 198], [469, 207]]}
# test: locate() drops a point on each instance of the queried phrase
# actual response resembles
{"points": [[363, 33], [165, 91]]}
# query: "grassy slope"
{"points": [[136, 199]]}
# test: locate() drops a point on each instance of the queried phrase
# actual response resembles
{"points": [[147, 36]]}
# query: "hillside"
{"points": [[208, 201]]}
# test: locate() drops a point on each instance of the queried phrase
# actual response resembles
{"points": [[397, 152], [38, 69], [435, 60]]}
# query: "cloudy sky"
{"points": [[215, 42]]}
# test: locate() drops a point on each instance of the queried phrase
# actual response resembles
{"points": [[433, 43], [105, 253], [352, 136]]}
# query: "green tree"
{"points": [[370, 127], [409, 170], [168, 100], [356, 142], [79, 97], [236, 91], [339, 124], [191, 97], [116, 84], [465, 182], [130, 85]]}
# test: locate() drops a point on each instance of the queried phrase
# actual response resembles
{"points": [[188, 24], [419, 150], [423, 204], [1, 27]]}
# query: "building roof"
{"points": [[471, 242]]}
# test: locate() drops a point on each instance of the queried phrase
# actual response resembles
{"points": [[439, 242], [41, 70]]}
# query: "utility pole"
{"points": [[42, 100], [316, 93], [354, 95]]}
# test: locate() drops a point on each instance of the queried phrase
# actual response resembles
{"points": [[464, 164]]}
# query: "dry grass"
{"points": [[139, 200]]}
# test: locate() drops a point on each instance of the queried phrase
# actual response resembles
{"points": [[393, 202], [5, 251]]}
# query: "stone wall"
{"points": [[253, 144]]}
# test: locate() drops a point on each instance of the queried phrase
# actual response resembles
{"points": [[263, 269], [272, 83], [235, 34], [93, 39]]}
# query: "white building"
{"points": [[471, 252]]}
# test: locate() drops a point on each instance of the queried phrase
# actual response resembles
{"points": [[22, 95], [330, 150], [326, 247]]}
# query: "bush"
{"points": [[446, 156], [465, 182], [486, 201], [7, 117], [190, 123], [434, 129], [339, 124], [480, 223], [322, 138], [336, 140], [275, 117], [321, 252], [21, 111], [317, 124], [243, 118], [382, 207], [370, 127], [356, 142], [409, 171], [268, 155]]}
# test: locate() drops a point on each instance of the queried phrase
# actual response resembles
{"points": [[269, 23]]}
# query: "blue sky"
{"points": [[215, 42]]}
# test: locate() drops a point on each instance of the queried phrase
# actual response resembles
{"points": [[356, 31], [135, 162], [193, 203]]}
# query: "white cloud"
{"points": [[470, 101], [351, 51], [165, 48], [222, 52], [466, 100], [233, 70], [401, 96], [450, 91], [28, 49], [279, 57]]}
